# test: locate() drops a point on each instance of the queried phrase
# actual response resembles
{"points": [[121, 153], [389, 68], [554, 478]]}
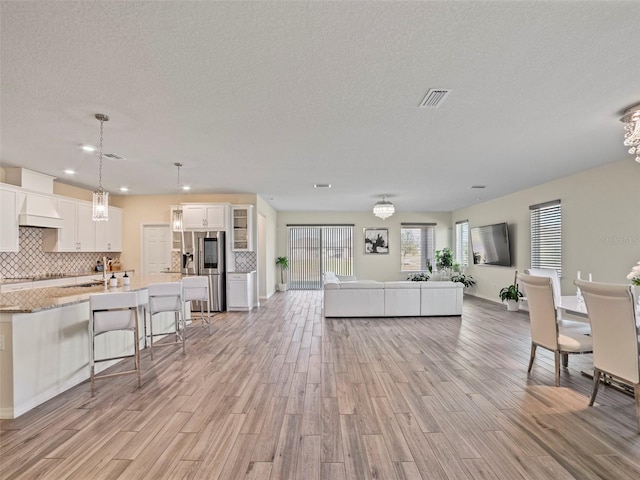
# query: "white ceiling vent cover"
{"points": [[434, 98]]}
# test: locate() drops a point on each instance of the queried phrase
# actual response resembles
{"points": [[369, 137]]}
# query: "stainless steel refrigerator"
{"points": [[203, 253]]}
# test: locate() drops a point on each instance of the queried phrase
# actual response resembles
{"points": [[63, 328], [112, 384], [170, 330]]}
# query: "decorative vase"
{"points": [[513, 305]]}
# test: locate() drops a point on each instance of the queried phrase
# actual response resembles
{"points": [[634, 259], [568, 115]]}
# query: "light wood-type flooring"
{"points": [[283, 393]]}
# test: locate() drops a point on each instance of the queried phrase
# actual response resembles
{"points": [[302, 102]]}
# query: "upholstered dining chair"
{"points": [[197, 289], [167, 297], [545, 331], [111, 312], [614, 327], [552, 273]]}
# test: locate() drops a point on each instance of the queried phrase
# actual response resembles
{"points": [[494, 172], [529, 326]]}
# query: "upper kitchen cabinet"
{"points": [[204, 217], [109, 233], [242, 228], [78, 231], [9, 232]]}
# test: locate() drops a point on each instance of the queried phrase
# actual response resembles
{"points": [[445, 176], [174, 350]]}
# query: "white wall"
{"points": [[267, 284], [372, 267], [600, 226]]}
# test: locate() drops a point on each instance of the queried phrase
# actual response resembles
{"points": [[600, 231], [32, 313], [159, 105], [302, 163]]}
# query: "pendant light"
{"points": [[383, 209], [176, 220], [100, 197]]}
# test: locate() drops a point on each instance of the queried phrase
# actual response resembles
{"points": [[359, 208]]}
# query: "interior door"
{"points": [[156, 249]]}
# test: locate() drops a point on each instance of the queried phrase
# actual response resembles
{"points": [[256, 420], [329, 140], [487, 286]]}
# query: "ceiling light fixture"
{"points": [[100, 197], [631, 120], [69, 171], [176, 220], [124, 189], [89, 148], [383, 209]]}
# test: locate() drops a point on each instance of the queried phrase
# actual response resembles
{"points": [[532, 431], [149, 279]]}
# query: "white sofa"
{"points": [[368, 298]]}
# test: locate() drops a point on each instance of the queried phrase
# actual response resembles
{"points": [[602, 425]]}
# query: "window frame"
{"points": [[462, 258], [546, 235], [426, 245]]}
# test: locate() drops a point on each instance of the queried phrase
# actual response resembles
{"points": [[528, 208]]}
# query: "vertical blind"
{"points": [[462, 242], [546, 235], [417, 246], [315, 249]]}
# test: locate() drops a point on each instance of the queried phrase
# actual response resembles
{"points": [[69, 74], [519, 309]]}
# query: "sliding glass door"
{"points": [[315, 249]]}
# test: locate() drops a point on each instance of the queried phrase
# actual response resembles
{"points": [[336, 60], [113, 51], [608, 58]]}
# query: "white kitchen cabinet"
{"points": [[9, 233], [240, 291], [78, 230], [109, 233], [205, 216], [242, 228]]}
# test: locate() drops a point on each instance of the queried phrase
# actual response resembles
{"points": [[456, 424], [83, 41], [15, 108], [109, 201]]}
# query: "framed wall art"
{"points": [[376, 241]]}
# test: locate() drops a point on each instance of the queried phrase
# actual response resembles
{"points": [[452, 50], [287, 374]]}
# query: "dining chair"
{"points": [[552, 273], [167, 297], [111, 312], [545, 331], [614, 328], [196, 288]]}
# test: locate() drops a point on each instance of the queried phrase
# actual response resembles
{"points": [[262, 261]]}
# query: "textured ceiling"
{"points": [[272, 97]]}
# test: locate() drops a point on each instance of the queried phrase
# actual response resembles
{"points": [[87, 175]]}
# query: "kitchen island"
{"points": [[44, 340]]}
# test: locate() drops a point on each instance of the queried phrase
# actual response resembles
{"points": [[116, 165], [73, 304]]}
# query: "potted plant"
{"points": [[444, 258], [283, 264], [512, 295], [466, 280]]}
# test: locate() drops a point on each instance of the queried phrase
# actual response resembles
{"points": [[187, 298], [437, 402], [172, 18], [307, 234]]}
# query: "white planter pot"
{"points": [[513, 305], [282, 287]]}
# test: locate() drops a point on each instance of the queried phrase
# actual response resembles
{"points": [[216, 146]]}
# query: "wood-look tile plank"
{"points": [[332, 471], [396, 443], [258, 471], [331, 435], [308, 464], [380, 464], [286, 455], [406, 471], [355, 456], [238, 461]]}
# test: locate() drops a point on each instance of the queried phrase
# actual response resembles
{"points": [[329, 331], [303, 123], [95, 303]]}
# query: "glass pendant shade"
{"points": [[100, 206], [176, 221], [176, 216], [100, 197], [631, 120], [383, 209]]}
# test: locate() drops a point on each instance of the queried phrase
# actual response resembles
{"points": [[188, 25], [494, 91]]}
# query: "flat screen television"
{"points": [[490, 245]]}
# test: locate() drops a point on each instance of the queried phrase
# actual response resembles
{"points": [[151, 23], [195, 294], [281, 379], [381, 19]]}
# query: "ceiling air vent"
{"points": [[114, 156], [434, 98]]}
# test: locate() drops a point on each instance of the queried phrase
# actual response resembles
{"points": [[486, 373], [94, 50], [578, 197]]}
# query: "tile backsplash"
{"points": [[246, 261], [32, 261]]}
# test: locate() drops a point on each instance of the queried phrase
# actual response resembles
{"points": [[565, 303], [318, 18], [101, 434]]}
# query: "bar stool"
{"points": [[143, 303], [110, 312], [197, 289], [167, 297]]}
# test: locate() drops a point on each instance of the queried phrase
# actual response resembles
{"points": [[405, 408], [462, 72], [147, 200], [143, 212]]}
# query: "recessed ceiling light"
{"points": [[89, 148], [322, 185], [186, 187], [478, 187], [68, 171], [124, 189]]}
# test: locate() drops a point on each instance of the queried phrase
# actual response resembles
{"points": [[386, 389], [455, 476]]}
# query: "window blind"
{"points": [[546, 235], [315, 249], [417, 246], [462, 242]]}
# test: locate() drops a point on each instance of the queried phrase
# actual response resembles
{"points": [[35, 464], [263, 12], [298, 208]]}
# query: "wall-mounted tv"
{"points": [[490, 245]]}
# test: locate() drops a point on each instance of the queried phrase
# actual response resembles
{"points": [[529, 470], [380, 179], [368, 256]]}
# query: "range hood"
{"points": [[39, 211]]}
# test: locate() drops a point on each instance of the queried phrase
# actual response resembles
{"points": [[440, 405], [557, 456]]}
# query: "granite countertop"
{"points": [[54, 276], [36, 299]]}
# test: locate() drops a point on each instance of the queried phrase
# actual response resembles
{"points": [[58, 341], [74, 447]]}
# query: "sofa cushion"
{"points": [[446, 284], [402, 285], [362, 284], [332, 285]]}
